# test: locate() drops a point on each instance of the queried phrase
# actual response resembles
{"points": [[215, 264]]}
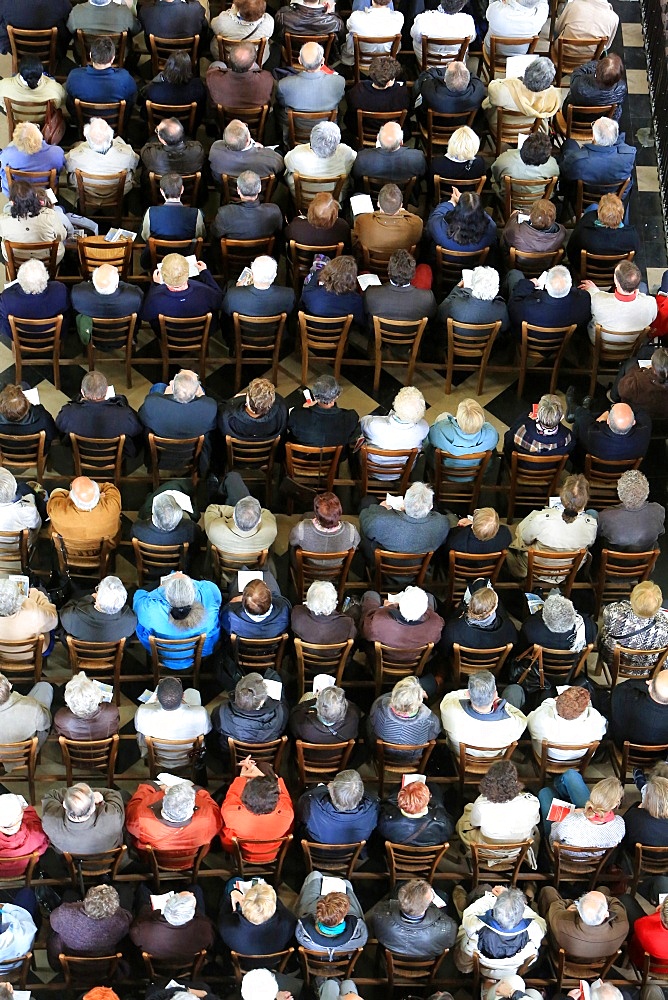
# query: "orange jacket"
{"points": [[147, 828], [239, 822]]}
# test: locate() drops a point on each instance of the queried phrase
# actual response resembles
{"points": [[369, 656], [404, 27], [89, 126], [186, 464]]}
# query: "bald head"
{"points": [[391, 136], [621, 418], [658, 688], [311, 56], [105, 279], [241, 57], [593, 908], [84, 493]]}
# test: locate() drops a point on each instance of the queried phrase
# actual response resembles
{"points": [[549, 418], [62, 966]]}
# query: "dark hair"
{"points": [[501, 783], [260, 795], [102, 50], [241, 57], [382, 69], [171, 185], [609, 71], [170, 693], [251, 10], [536, 150], [339, 276], [467, 222], [327, 509], [178, 68], [401, 267], [31, 70], [13, 404], [452, 6], [25, 201]]}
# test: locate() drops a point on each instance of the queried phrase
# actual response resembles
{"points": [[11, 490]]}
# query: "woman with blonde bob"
{"points": [[255, 922], [461, 161], [593, 822], [647, 821], [638, 623], [29, 151], [602, 230], [466, 433], [479, 533]]}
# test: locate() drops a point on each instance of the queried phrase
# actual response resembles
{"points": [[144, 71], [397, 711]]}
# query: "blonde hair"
{"points": [[470, 416], [259, 903], [483, 602], [27, 138], [174, 269], [463, 144], [485, 523], [605, 796], [656, 797], [646, 598]]}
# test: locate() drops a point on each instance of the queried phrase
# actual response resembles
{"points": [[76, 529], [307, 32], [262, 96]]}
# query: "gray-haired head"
{"points": [[311, 55], [250, 693], [180, 908], [82, 696], [33, 277], [110, 596], [99, 135], [326, 389], [7, 486], [550, 411], [79, 802], [539, 74], [558, 282], [346, 790], [247, 513], [457, 77], [331, 705], [558, 613], [633, 489], [179, 591], [249, 184], [184, 386], [482, 688], [101, 902], [178, 804], [166, 513], [509, 908], [593, 908], [485, 283], [418, 500], [321, 597], [5, 688], [325, 139], [11, 598], [605, 991], [605, 131]]}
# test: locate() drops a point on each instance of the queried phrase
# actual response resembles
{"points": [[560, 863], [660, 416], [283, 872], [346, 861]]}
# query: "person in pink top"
{"points": [[21, 834]]}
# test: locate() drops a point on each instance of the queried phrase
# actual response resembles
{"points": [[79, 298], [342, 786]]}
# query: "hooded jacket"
{"points": [[426, 938], [499, 949], [259, 725], [325, 824], [354, 935], [446, 434], [28, 838], [153, 617]]}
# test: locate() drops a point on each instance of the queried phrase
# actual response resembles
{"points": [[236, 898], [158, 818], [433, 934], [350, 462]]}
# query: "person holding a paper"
{"points": [[541, 430], [181, 608], [172, 818], [92, 927], [27, 219], [253, 921], [323, 424], [23, 616], [172, 714], [330, 918], [502, 929], [241, 525], [399, 299], [173, 292], [592, 822], [341, 812], [87, 715], [334, 290], [391, 227], [415, 815], [21, 834], [100, 413], [606, 160], [326, 716], [408, 525], [23, 716], [255, 712], [324, 155], [80, 820], [589, 928], [414, 924], [34, 296], [539, 232], [168, 517], [550, 300], [406, 621], [475, 299], [557, 626], [532, 95], [477, 716], [173, 927], [257, 807]]}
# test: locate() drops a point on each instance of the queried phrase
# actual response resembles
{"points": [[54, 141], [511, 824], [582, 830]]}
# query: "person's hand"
{"points": [[157, 276], [200, 265], [588, 286], [385, 504], [284, 995], [603, 418], [504, 988], [169, 389], [455, 196], [249, 768], [498, 889], [464, 522], [236, 898], [196, 993], [97, 796]]}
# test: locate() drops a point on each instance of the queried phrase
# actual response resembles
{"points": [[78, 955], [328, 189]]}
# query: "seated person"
{"points": [[169, 524], [332, 291], [638, 623], [637, 709], [250, 713], [635, 524], [105, 296], [333, 923], [409, 622], [400, 716], [598, 83], [480, 623], [340, 812], [416, 527], [325, 531], [539, 233], [21, 834], [179, 929], [171, 714], [80, 820], [86, 716], [317, 619], [18, 416], [602, 230], [104, 616], [466, 433], [461, 161], [569, 719], [23, 618], [181, 817], [403, 428], [255, 922], [475, 301], [391, 227], [259, 413], [625, 310], [646, 821], [412, 924], [24, 716], [322, 423], [247, 217], [479, 533], [593, 822], [449, 90], [557, 626], [503, 813], [531, 95], [594, 926], [380, 89], [88, 928], [18, 930], [549, 301], [256, 613], [533, 161], [322, 226], [324, 155], [260, 297], [477, 716], [257, 806], [327, 717], [650, 936], [181, 608], [461, 223], [240, 526], [504, 931], [618, 433], [34, 296], [173, 220], [542, 434], [647, 387], [416, 815]]}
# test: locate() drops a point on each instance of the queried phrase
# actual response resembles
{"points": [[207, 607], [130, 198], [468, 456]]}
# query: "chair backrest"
{"points": [[113, 114], [406, 861], [301, 257], [259, 334], [442, 51], [101, 191], [275, 960], [176, 654], [580, 118], [21, 451], [325, 338], [166, 968], [271, 752], [21, 659], [158, 249], [300, 123], [636, 663], [393, 760], [458, 478], [37, 178], [180, 860], [321, 761], [325, 965], [261, 857], [367, 47], [550, 760], [191, 186], [172, 455], [251, 454], [40, 44], [637, 755], [101, 660], [520, 195], [225, 45], [89, 756], [545, 341], [556, 568], [572, 968], [162, 48], [154, 561], [464, 568], [306, 188], [467, 660], [174, 755], [394, 570], [561, 666], [332, 859], [496, 859], [17, 253], [237, 254], [119, 38], [225, 566], [292, 44], [25, 111], [314, 467], [577, 863], [82, 557], [22, 868], [15, 548], [573, 52], [648, 861], [533, 479], [328, 566], [383, 469], [416, 973], [80, 971], [443, 186], [511, 124], [185, 113], [315, 658], [255, 118], [230, 192], [95, 250], [258, 655], [186, 337], [439, 129], [619, 572], [372, 186], [377, 262], [600, 268], [392, 663], [17, 757], [590, 194], [93, 866], [494, 61], [100, 459], [451, 263], [532, 265], [369, 122]]}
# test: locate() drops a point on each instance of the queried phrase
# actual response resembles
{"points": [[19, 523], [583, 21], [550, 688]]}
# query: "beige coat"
{"points": [[35, 615], [512, 95]]}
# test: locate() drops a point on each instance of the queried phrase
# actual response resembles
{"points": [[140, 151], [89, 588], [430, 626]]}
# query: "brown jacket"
{"points": [[103, 521], [641, 388], [152, 933], [567, 930], [387, 232]]}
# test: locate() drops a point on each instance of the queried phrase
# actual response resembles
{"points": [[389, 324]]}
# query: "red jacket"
{"points": [[146, 827], [29, 837], [239, 822], [649, 935]]}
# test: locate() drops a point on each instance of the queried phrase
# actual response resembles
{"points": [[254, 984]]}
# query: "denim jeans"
{"points": [[570, 786]]}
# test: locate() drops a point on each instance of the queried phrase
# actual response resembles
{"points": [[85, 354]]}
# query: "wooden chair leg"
{"points": [[377, 362]]}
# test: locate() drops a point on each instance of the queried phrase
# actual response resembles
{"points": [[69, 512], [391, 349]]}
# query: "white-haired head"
{"points": [[325, 139], [178, 805], [79, 802], [11, 598], [264, 271], [180, 908], [7, 486], [259, 984], [409, 405], [592, 908], [390, 136], [82, 696], [166, 512], [413, 603], [484, 283], [605, 132], [99, 135], [418, 500], [321, 598], [185, 385], [558, 282], [179, 591], [33, 277]]}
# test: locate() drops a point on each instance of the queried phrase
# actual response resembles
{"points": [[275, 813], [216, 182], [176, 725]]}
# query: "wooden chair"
{"points": [[113, 334], [15, 970], [258, 655], [172, 457], [276, 961], [40, 44], [414, 973], [314, 658], [493, 61], [433, 54], [577, 121], [609, 350], [16, 551], [510, 125], [569, 53], [467, 660], [318, 762], [393, 760], [22, 760], [498, 862], [257, 341], [571, 970], [560, 666], [464, 568], [300, 124], [546, 344], [82, 558], [377, 261], [163, 968], [174, 755], [634, 755], [306, 188], [18, 253], [369, 122], [519, 195], [255, 458], [185, 113], [255, 118], [25, 111], [26, 863], [79, 971], [472, 762], [576, 864], [89, 757], [619, 572], [396, 334], [639, 664], [647, 861], [155, 561], [191, 188], [532, 265], [372, 186], [21, 659], [533, 480], [474, 343], [161, 49], [323, 339], [451, 263], [100, 459], [237, 254], [225, 45], [113, 114], [383, 470], [101, 191], [319, 965], [158, 249], [230, 193], [182, 655], [186, 862], [101, 660], [546, 764], [121, 40], [36, 178], [332, 859], [392, 663], [443, 186], [554, 569], [292, 44], [93, 867], [332, 567], [590, 194], [23, 451], [300, 259], [600, 268], [454, 483], [245, 849], [36, 341], [367, 48], [95, 250], [404, 861], [184, 340], [394, 570], [436, 132], [315, 468], [225, 566], [270, 752]]}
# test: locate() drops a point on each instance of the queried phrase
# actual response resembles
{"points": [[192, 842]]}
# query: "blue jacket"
{"points": [[326, 825], [448, 435], [202, 295], [51, 302], [17, 934], [44, 159], [317, 301], [437, 229], [100, 86], [233, 618], [597, 164], [152, 610]]}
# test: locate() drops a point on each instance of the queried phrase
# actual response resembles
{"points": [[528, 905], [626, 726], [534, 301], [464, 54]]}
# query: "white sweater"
{"points": [[544, 723], [460, 727], [506, 822]]}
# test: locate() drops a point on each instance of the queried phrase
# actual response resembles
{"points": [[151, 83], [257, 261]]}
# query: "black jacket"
{"points": [[326, 825], [242, 936], [36, 419], [536, 306], [81, 620], [535, 631], [36, 15], [424, 831], [596, 438], [233, 420], [642, 828], [258, 726], [106, 419], [395, 165], [462, 307], [173, 20], [435, 94], [636, 717], [249, 220], [251, 301], [427, 938], [463, 540], [499, 633], [305, 724], [318, 427], [127, 299], [585, 92], [591, 236]]}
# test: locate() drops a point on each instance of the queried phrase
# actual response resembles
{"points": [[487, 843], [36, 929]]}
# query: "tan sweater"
{"points": [[103, 521], [35, 615]]}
